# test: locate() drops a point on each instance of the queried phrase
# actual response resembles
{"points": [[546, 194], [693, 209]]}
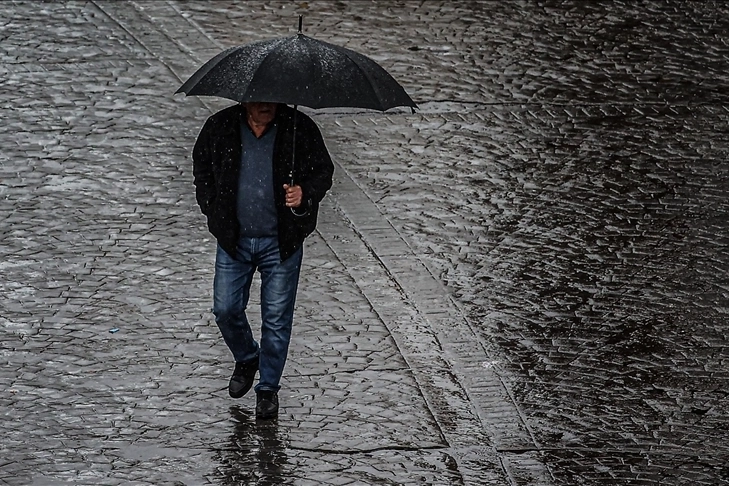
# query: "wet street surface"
{"points": [[526, 282]]}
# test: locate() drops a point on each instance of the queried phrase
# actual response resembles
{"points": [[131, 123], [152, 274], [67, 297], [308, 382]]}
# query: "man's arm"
{"points": [[202, 170], [316, 179]]}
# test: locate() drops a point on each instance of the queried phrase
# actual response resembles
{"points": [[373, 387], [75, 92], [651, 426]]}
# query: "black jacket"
{"points": [[216, 166]]}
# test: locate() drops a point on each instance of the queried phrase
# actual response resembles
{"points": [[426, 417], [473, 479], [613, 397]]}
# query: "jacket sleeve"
{"points": [[202, 169], [316, 177]]}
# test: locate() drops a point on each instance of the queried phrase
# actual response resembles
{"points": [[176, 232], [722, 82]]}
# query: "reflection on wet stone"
{"points": [[256, 453]]}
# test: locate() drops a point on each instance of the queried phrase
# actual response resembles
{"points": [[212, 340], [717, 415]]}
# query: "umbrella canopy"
{"points": [[298, 70]]}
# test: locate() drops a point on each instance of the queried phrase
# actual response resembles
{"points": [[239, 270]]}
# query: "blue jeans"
{"points": [[231, 291]]}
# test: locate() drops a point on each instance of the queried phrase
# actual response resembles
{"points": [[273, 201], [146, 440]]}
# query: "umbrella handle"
{"points": [[301, 215]]}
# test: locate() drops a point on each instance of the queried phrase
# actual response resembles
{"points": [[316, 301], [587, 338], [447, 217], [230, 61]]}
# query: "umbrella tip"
{"points": [[301, 21]]}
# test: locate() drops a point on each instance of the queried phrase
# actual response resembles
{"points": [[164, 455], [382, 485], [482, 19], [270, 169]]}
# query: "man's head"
{"points": [[260, 113]]}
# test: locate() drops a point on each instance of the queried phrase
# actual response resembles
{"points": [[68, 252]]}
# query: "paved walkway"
{"points": [[499, 292]]}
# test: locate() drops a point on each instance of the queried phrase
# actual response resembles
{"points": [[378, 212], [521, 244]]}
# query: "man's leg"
{"points": [[231, 290], [279, 282]]}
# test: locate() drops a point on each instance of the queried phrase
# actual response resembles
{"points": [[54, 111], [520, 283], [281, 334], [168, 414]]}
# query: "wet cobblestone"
{"points": [[523, 283]]}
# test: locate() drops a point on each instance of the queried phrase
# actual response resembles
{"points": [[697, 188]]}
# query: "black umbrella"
{"points": [[298, 70]]}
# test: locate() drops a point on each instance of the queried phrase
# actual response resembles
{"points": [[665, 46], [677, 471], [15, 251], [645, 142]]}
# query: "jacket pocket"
{"points": [[213, 219]]}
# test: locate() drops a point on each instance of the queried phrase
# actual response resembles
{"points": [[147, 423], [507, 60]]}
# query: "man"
{"points": [[242, 173]]}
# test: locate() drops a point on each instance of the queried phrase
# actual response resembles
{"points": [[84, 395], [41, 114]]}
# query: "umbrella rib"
{"points": [[264, 58], [372, 85], [204, 70]]}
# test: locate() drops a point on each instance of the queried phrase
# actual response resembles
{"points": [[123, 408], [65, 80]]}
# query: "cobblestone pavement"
{"points": [[523, 283]]}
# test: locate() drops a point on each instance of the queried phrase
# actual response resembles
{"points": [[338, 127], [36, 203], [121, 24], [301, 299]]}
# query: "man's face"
{"points": [[261, 113]]}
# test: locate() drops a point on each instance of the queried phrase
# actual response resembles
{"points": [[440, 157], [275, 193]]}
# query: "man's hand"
{"points": [[293, 196]]}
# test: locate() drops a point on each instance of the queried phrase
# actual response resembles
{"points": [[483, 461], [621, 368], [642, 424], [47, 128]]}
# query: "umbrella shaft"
{"points": [[293, 149]]}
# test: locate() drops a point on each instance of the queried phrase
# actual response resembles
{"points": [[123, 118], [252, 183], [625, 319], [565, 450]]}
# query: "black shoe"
{"points": [[242, 379], [266, 404]]}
